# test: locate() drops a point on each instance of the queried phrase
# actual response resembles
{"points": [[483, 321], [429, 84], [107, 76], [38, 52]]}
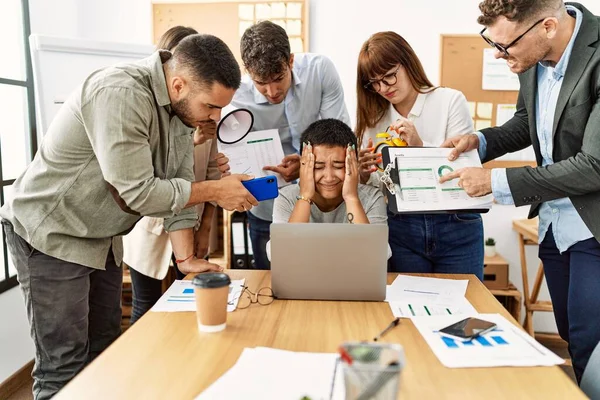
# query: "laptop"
{"points": [[329, 261]]}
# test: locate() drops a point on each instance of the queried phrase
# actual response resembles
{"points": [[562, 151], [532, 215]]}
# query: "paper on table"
{"points": [[416, 308], [266, 373], [414, 296], [434, 289], [180, 297], [257, 150], [507, 345], [419, 171]]}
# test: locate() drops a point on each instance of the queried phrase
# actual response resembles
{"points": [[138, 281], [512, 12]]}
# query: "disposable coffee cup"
{"points": [[211, 290]]}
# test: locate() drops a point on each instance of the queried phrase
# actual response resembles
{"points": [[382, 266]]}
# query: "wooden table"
{"points": [[163, 356]]}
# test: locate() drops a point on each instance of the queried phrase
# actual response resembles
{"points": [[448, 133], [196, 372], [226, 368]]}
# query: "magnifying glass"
{"points": [[235, 126]]}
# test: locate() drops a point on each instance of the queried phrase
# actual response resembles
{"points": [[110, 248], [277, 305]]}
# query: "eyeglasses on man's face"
{"points": [[389, 80], [504, 49], [264, 296]]}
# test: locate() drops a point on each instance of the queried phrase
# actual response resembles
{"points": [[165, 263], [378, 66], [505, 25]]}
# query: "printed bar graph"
{"points": [[492, 340], [185, 295], [449, 342], [499, 340]]}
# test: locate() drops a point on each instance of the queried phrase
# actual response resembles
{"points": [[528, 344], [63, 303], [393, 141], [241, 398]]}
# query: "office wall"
{"points": [[127, 21]]}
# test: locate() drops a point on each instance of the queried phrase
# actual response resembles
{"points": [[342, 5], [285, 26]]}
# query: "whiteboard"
{"points": [[61, 64]]}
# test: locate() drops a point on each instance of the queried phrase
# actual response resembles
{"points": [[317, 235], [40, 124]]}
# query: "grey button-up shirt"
{"points": [[113, 153]]}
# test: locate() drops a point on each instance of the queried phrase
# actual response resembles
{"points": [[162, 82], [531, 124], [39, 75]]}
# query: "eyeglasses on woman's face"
{"points": [[390, 79]]}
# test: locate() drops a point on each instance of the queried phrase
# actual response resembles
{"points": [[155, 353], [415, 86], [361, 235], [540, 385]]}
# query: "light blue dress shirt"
{"points": [[567, 226], [316, 93]]}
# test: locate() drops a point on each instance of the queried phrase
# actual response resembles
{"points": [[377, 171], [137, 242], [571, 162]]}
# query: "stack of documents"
{"points": [[265, 373], [505, 346], [180, 297], [415, 296]]}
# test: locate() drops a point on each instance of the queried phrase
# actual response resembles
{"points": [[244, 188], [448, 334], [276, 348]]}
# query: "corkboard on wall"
{"points": [[462, 68], [219, 19]]}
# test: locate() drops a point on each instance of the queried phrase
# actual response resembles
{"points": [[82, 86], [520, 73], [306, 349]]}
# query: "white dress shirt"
{"points": [[437, 115]]}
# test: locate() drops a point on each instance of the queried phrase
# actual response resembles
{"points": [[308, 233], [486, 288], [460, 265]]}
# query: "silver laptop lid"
{"points": [[329, 261]]}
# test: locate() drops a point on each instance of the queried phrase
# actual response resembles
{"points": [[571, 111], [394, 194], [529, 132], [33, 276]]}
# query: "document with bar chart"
{"points": [[505, 346], [417, 296], [180, 297], [411, 308], [416, 174]]}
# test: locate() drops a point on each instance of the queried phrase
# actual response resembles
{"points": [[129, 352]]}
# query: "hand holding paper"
{"points": [[461, 144]]}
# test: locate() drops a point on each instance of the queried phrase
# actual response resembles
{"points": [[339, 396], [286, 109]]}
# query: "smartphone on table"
{"points": [[468, 329], [263, 188]]}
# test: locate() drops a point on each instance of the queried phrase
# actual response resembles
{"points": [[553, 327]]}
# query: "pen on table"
{"points": [[390, 326]]}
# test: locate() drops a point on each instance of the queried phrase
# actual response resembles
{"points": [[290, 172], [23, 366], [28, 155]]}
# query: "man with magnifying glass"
{"points": [[288, 92]]}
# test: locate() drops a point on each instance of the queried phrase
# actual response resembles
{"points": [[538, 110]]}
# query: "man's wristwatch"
{"points": [[300, 197]]}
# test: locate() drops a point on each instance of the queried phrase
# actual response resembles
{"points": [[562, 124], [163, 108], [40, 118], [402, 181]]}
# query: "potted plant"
{"points": [[490, 247]]}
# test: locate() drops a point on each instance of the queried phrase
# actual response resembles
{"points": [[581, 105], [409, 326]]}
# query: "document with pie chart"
{"points": [[416, 173]]}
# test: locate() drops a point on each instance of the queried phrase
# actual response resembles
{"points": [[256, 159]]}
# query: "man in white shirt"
{"points": [[287, 92]]}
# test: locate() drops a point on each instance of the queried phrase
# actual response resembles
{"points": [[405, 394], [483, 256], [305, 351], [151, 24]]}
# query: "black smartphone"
{"points": [[262, 188], [468, 328]]}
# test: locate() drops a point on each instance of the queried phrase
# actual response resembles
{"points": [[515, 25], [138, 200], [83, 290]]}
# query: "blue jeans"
{"points": [[574, 283], [436, 243], [260, 234]]}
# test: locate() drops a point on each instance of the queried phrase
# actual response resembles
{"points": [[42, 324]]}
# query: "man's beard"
{"points": [[181, 108], [539, 52]]}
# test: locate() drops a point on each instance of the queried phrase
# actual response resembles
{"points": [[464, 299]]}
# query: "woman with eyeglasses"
{"points": [[394, 94]]}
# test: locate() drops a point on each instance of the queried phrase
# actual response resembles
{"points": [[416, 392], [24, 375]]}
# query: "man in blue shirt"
{"points": [[287, 92], [555, 50]]}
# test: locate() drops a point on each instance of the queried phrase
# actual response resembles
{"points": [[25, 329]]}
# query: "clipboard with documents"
{"points": [[411, 181]]}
